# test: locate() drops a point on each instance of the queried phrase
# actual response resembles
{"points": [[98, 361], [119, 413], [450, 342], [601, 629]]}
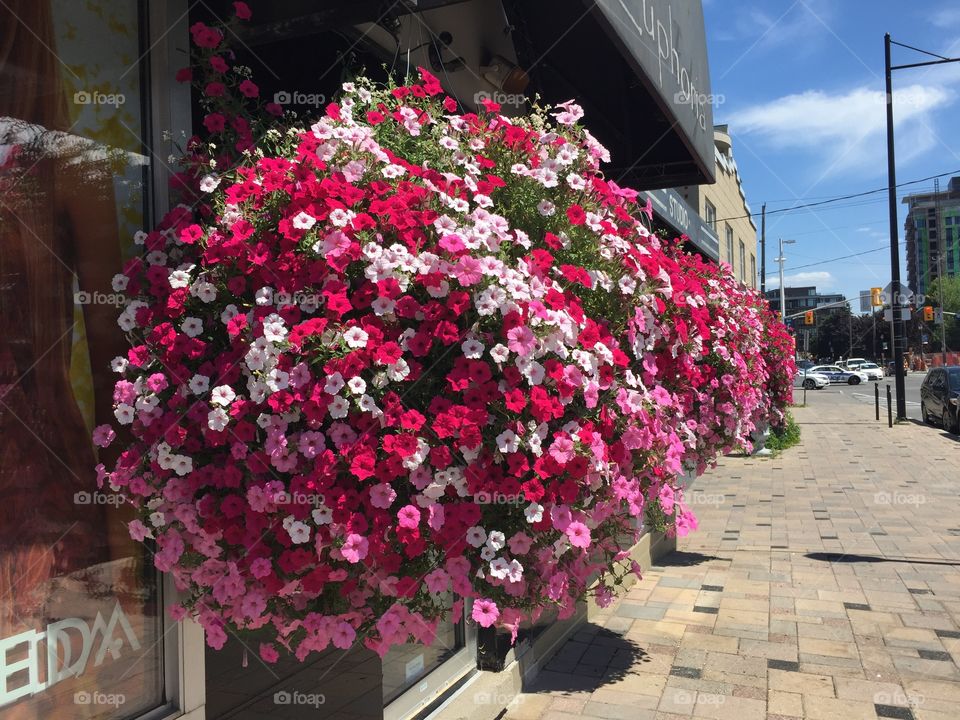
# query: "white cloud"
{"points": [[845, 129], [800, 26], [946, 17]]}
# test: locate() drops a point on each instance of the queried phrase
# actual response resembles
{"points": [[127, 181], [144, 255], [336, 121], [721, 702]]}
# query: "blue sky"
{"points": [[800, 82]]}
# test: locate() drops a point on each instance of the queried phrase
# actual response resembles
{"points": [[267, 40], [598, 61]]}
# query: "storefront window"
{"points": [[80, 613], [404, 665]]}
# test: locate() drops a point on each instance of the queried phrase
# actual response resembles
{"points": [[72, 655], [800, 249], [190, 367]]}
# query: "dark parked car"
{"points": [[940, 397]]}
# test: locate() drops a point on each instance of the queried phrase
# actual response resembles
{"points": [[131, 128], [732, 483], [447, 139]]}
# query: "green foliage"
{"points": [[784, 436], [951, 303]]}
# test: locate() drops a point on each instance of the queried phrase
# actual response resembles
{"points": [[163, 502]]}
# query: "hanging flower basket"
{"points": [[401, 351]]}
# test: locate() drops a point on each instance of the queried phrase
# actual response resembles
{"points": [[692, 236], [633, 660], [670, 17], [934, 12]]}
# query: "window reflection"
{"points": [[79, 615], [405, 665]]}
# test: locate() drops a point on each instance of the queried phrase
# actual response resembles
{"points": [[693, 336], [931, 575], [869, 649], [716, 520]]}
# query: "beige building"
{"points": [[723, 206]]}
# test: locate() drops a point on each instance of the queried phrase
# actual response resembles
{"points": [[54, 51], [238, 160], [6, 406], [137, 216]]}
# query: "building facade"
{"points": [[933, 243], [724, 209], [90, 115], [801, 299]]}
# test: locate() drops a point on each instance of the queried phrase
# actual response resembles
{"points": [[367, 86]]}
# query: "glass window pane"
{"points": [[73, 586], [404, 665]]}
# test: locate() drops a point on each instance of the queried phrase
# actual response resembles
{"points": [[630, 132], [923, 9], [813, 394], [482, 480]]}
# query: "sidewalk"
{"points": [[821, 584]]}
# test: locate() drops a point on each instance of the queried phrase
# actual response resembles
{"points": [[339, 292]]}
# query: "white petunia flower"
{"points": [[508, 442], [338, 408], [229, 313], [199, 384], [263, 296], [208, 183], [181, 465], [273, 328], [303, 221], [534, 512], [179, 279], [334, 384], [222, 395], [205, 291], [124, 414], [472, 349], [299, 532], [369, 405], [500, 353], [218, 419], [192, 326], [476, 536], [496, 540], [357, 385], [499, 568], [355, 338], [546, 208]]}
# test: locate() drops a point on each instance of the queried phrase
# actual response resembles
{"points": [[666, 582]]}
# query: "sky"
{"points": [[801, 85]]}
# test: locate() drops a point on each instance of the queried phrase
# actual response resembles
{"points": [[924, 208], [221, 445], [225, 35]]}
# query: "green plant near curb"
{"points": [[784, 436]]}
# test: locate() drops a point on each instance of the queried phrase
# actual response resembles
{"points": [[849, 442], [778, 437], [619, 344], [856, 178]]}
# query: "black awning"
{"points": [[638, 68]]}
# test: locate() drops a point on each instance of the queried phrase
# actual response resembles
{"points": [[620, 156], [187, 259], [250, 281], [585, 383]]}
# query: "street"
{"points": [[864, 394]]}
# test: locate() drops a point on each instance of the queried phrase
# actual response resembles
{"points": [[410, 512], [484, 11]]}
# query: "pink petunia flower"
{"points": [[579, 534], [103, 435], [485, 612], [355, 548]]}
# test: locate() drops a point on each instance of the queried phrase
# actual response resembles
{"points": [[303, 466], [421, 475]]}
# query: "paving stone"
{"points": [[779, 620]]}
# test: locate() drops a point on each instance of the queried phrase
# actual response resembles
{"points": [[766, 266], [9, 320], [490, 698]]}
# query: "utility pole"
{"points": [[897, 338], [896, 323], [763, 249]]}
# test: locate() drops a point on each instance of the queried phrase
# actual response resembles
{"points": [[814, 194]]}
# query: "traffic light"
{"points": [[927, 313], [876, 297], [808, 317]]}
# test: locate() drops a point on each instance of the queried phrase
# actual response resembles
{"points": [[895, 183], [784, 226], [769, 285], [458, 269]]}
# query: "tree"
{"points": [[951, 303]]}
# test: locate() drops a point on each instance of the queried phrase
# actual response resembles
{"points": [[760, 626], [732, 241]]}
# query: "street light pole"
{"points": [[783, 301], [897, 338]]}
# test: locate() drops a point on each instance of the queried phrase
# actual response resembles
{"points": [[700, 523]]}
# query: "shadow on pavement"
{"points": [[855, 558], [593, 657], [938, 428], [682, 558]]}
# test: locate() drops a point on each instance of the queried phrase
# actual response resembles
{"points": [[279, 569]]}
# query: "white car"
{"points": [[837, 374], [810, 380], [871, 370]]}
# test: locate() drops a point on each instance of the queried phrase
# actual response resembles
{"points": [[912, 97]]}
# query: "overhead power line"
{"points": [[838, 198], [837, 259]]}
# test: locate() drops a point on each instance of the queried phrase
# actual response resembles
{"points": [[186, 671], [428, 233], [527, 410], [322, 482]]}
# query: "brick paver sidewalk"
{"points": [[822, 583]]}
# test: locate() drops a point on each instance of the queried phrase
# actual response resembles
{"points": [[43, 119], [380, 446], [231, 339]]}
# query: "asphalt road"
{"points": [[864, 395]]}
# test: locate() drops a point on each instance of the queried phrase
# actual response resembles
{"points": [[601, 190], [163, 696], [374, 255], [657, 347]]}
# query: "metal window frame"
{"points": [[167, 38]]}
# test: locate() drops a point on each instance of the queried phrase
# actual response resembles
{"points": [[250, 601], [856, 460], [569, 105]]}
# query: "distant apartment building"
{"points": [[801, 299], [927, 237], [724, 209]]}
